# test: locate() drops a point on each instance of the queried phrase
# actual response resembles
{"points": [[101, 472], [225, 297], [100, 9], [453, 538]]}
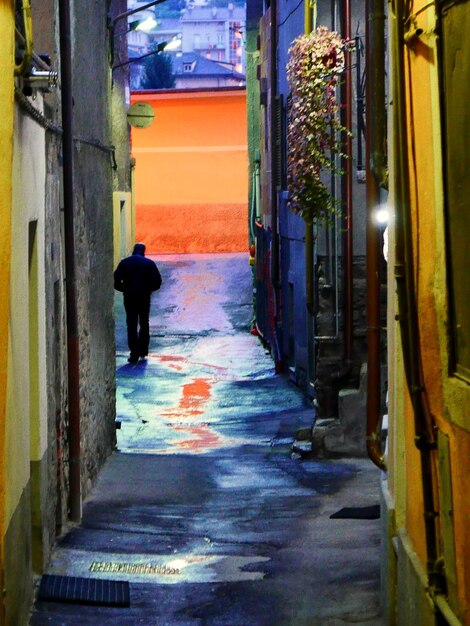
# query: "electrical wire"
{"points": [[35, 114], [55, 129], [290, 13]]}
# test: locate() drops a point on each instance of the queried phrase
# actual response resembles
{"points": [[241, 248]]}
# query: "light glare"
{"points": [[173, 44], [147, 25], [381, 215]]}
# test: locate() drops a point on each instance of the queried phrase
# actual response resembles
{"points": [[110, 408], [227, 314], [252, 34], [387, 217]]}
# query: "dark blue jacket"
{"points": [[137, 276]]}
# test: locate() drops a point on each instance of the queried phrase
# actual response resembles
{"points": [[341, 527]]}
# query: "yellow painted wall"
{"points": [[24, 428], [449, 397], [29, 175], [124, 224], [26, 441], [7, 24]]}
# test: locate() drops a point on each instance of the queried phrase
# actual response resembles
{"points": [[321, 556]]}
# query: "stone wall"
{"points": [[101, 165], [331, 373], [341, 397], [92, 92]]}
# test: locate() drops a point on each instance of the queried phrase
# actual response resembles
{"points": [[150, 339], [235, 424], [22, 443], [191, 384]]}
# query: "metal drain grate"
{"points": [[84, 591], [358, 512]]}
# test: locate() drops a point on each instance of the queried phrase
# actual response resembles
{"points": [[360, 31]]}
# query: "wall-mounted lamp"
{"points": [[173, 44], [412, 35], [381, 215], [112, 22], [144, 25], [165, 46]]}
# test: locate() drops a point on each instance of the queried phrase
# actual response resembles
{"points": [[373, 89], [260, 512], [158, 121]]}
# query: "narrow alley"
{"points": [[204, 508]]}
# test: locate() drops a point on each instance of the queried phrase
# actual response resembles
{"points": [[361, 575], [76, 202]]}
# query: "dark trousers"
{"points": [[137, 319]]}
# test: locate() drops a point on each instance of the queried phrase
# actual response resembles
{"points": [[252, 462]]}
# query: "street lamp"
{"points": [[144, 25], [164, 46], [112, 22], [173, 44]]}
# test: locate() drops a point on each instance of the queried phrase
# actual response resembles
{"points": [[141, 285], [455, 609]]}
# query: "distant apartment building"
{"points": [[207, 33], [216, 33], [194, 71]]}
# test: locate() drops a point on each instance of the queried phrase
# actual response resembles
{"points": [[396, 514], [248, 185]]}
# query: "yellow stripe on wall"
{"points": [[168, 149], [7, 46]]}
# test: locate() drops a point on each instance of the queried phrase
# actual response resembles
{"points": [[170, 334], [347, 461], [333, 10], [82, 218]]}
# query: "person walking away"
{"points": [[137, 277]]}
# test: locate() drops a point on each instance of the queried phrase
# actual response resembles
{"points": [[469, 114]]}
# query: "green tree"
{"points": [[158, 72]]}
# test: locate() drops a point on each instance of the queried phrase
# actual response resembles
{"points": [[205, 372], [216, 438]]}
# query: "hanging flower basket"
{"points": [[314, 129]]}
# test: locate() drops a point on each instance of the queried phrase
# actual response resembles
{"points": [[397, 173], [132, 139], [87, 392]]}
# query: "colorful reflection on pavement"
{"points": [[205, 372]]}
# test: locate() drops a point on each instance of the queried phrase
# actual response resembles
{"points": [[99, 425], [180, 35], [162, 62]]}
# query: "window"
{"points": [[455, 94]]}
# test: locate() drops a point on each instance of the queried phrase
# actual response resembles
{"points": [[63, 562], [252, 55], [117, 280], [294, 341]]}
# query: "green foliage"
{"points": [[312, 72], [158, 72]]}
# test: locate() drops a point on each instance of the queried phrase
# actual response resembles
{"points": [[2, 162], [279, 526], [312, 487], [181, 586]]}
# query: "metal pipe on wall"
{"points": [[333, 230], [408, 313], [273, 132], [275, 249], [347, 202], [341, 13], [75, 494], [308, 18], [375, 145], [309, 266], [347, 194], [308, 27]]}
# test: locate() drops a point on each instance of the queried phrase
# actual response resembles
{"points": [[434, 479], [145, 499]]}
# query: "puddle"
{"points": [[159, 569]]}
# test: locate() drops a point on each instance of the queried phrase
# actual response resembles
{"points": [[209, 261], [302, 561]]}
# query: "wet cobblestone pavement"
{"points": [[202, 507]]}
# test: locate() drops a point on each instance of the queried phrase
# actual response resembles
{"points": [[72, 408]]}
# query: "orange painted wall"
{"points": [[447, 394], [191, 174]]}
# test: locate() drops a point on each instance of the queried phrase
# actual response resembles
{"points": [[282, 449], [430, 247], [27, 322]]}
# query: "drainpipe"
{"points": [[408, 314], [275, 269], [375, 175], [71, 287], [346, 192], [309, 266], [331, 381], [309, 25], [132, 172], [308, 17]]}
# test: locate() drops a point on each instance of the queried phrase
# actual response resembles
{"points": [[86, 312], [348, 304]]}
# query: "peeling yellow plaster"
{"points": [[449, 396], [7, 24]]}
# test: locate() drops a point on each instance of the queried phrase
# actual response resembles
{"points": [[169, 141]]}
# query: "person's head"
{"points": [[139, 248]]}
